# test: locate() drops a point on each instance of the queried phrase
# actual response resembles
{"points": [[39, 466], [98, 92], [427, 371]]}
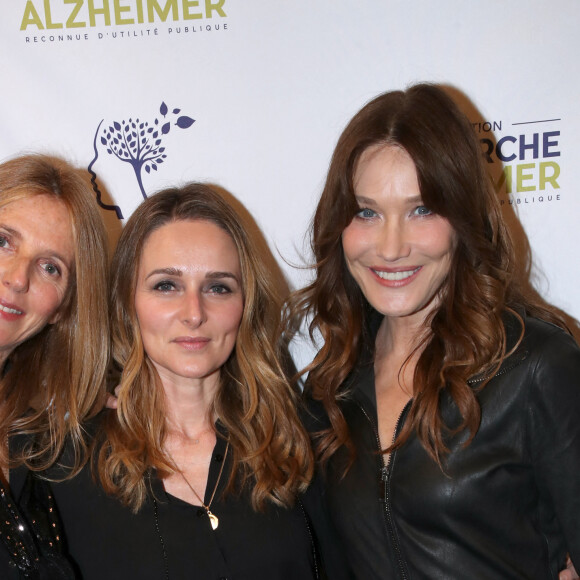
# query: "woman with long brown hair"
{"points": [[198, 469], [447, 399], [54, 338]]}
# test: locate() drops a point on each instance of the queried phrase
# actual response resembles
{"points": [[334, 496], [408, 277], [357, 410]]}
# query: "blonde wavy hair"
{"points": [[255, 402], [56, 379]]}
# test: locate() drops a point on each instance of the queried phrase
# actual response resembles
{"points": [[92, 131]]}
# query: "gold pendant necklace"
{"points": [[213, 519]]}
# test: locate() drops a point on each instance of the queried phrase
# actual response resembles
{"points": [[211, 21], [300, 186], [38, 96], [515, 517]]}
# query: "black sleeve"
{"points": [[554, 433], [327, 541]]}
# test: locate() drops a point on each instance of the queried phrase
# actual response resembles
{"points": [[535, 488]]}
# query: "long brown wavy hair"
{"points": [[465, 335], [254, 402], [56, 379]]}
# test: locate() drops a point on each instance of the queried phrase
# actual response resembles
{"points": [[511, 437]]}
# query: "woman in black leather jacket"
{"points": [[445, 398]]}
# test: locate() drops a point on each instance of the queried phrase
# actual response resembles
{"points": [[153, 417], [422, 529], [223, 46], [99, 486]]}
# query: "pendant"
{"points": [[213, 520]]}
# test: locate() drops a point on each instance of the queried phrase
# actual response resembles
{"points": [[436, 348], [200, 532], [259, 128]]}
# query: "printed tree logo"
{"points": [[138, 143]]}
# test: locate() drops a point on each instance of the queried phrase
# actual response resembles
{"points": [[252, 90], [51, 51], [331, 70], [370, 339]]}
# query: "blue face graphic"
{"points": [[136, 142]]}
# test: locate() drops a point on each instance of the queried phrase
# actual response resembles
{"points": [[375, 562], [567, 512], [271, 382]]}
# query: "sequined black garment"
{"points": [[30, 546]]}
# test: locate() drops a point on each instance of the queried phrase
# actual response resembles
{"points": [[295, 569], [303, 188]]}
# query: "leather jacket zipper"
{"points": [[502, 371], [312, 544], [386, 471]]}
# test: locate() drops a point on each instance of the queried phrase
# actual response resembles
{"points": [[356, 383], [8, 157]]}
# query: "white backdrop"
{"points": [[270, 85]]}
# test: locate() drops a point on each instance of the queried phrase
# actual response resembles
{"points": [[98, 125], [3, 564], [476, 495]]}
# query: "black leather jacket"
{"points": [[505, 506]]}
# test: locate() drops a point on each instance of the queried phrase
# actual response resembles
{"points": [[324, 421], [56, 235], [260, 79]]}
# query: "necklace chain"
{"points": [[162, 542], [213, 519]]}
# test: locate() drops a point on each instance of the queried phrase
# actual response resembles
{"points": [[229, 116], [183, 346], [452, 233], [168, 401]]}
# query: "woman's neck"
{"points": [[189, 407], [190, 437], [399, 337]]}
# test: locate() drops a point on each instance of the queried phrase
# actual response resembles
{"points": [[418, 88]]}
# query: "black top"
{"points": [[504, 506], [171, 539], [30, 542], [8, 555]]}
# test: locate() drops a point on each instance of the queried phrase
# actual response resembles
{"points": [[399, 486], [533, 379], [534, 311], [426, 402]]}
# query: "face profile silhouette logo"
{"points": [[138, 143]]}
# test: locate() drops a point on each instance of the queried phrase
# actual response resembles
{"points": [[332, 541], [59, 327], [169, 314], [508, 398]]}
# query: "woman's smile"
{"points": [[396, 277]]}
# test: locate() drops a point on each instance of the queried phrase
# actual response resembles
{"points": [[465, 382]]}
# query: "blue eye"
{"points": [[51, 269], [422, 210], [219, 289], [3, 242], [366, 213], [164, 286]]}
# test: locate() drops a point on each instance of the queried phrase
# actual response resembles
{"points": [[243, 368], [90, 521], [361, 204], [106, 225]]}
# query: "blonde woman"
{"points": [[198, 470], [53, 342]]}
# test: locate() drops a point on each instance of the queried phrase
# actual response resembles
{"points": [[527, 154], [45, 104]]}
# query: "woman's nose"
{"points": [[193, 310], [393, 241], [15, 275]]}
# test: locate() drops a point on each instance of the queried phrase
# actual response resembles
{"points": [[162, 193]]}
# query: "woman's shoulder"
{"points": [[547, 354], [65, 466], [538, 334], [551, 357], [545, 338]]}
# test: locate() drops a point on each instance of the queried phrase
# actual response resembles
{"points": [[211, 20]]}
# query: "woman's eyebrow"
{"points": [[218, 275], [361, 199], [166, 271]]}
